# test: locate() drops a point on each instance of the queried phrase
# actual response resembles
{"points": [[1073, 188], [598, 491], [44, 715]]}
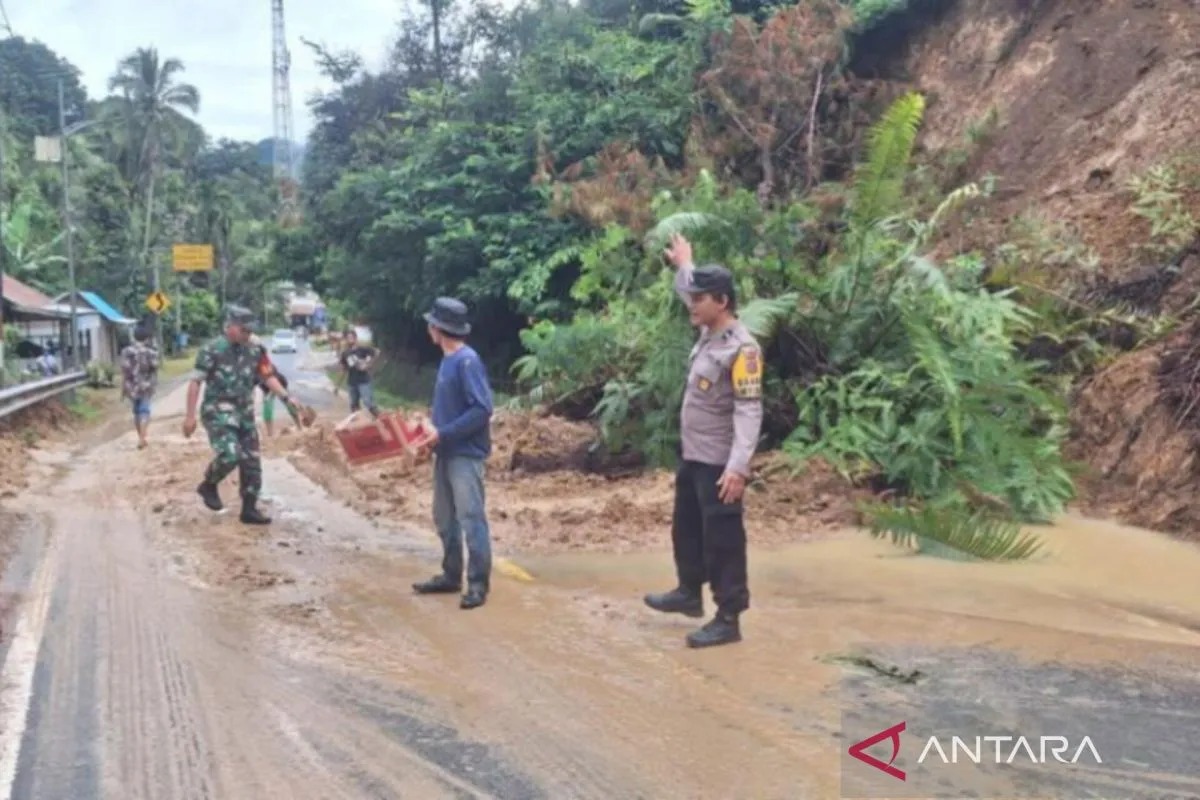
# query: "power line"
{"points": [[4, 20]]}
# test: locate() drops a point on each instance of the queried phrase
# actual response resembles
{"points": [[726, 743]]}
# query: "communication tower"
{"points": [[283, 161]]}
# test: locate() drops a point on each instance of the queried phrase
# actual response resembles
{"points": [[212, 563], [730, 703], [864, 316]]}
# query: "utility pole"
{"points": [[3, 246], [62, 128]]}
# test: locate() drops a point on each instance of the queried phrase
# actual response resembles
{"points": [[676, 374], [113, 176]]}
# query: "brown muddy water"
{"points": [[220, 661]]}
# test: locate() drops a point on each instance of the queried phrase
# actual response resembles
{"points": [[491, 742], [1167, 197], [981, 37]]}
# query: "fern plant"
{"points": [[951, 533], [901, 368]]}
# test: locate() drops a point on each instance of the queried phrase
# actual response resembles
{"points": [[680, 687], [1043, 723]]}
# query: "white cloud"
{"points": [[225, 46]]}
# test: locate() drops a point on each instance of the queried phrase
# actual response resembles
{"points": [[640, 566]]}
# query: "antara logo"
{"points": [[859, 750], [1058, 746]]}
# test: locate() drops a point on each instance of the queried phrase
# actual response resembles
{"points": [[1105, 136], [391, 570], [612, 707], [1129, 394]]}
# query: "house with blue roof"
{"points": [[102, 329]]}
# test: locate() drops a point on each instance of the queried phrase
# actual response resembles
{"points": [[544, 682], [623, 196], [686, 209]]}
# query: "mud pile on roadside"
{"points": [[1137, 424], [22, 431], [544, 496]]}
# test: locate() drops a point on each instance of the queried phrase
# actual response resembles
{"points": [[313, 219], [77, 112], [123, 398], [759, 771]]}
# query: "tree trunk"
{"points": [[435, 7]]}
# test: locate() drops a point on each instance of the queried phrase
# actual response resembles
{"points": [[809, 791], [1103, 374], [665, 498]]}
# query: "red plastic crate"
{"points": [[390, 436]]}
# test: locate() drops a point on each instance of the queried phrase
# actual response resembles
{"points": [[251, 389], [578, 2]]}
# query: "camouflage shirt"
{"points": [[139, 370], [230, 372]]}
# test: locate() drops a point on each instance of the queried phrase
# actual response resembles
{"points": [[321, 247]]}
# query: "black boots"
{"points": [[251, 515], [678, 601], [722, 629], [476, 595], [208, 492]]}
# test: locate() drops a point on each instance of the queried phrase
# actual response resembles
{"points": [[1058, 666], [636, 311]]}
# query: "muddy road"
{"points": [[161, 651]]}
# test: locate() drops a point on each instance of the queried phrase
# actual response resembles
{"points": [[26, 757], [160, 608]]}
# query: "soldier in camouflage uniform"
{"points": [[231, 367]]}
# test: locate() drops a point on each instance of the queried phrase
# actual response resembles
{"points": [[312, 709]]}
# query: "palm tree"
{"points": [[152, 98]]}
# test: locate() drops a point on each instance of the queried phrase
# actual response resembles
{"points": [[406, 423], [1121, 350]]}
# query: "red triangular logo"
{"points": [[858, 750]]}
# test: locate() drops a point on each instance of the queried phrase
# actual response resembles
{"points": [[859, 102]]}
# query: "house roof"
{"points": [[80, 310], [23, 294], [99, 305], [111, 314]]}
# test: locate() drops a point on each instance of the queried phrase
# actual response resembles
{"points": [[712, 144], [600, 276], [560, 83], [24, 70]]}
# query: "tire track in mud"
{"points": [[150, 688], [588, 700], [63, 706]]}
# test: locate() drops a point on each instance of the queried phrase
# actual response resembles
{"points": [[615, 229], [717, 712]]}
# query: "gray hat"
{"points": [[450, 315], [711, 279], [242, 317]]}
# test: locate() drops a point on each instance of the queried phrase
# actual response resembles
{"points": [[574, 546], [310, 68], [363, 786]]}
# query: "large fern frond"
{"points": [[763, 316], [879, 183], [952, 533], [684, 222]]}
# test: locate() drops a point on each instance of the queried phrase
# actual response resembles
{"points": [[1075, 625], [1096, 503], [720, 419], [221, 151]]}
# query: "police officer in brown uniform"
{"points": [[720, 423]]}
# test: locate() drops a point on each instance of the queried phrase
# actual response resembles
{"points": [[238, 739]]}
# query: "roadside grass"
{"points": [[177, 365], [89, 404]]}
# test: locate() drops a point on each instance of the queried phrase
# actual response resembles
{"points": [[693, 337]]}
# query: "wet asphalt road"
{"points": [[140, 686], [306, 376]]}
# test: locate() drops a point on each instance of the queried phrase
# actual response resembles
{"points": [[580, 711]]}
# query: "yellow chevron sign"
{"points": [[158, 302]]}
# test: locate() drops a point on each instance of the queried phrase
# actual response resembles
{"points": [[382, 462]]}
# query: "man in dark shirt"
{"points": [[357, 360], [461, 443]]}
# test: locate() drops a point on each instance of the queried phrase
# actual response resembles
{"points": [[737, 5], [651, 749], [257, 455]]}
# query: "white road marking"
{"points": [[17, 671]]}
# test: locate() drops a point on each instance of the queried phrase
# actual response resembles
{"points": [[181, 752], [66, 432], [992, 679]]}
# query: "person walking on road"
{"points": [[461, 442], [230, 367], [139, 373], [356, 360], [720, 423]]}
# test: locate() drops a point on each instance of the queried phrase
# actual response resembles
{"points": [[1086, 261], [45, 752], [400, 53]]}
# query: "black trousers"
{"points": [[709, 537]]}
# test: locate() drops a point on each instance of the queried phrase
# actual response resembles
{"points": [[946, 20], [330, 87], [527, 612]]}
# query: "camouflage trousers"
{"points": [[234, 440]]}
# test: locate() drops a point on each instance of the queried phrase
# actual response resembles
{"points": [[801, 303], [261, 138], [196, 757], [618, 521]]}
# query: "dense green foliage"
{"points": [[143, 176], [533, 162], [538, 173]]}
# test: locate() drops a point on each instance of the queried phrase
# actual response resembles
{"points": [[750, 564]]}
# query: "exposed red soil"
{"points": [[1087, 94], [556, 506]]}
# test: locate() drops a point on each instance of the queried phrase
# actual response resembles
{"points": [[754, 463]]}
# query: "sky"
{"points": [[225, 46]]}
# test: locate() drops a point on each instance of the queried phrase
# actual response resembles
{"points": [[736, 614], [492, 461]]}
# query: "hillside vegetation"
{"points": [[143, 176], [954, 224], [888, 181]]}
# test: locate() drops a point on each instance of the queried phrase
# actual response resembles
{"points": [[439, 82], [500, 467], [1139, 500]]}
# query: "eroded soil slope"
{"points": [[1137, 423], [1064, 102], [1086, 94]]}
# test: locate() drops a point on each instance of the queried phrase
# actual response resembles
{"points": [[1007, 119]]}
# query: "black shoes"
{"points": [[252, 516], [208, 492], [439, 584], [443, 584], [677, 601], [722, 629], [474, 598]]}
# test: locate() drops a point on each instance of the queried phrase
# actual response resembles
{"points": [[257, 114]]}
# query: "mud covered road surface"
{"points": [[162, 651]]}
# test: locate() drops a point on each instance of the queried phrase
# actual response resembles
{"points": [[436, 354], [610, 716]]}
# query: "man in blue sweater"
{"points": [[461, 442]]}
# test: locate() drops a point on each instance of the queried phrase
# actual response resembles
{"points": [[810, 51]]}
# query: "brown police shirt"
{"points": [[722, 404]]}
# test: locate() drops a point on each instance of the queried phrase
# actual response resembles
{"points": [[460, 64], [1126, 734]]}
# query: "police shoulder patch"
{"points": [[747, 373]]}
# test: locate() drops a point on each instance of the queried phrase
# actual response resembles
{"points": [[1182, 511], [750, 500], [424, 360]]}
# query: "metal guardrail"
{"points": [[26, 394]]}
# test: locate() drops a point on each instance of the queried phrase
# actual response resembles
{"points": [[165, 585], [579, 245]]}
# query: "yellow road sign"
{"points": [[192, 257], [158, 302]]}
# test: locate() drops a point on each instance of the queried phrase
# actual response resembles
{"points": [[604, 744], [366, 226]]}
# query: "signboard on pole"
{"points": [[192, 257], [47, 149], [158, 302]]}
